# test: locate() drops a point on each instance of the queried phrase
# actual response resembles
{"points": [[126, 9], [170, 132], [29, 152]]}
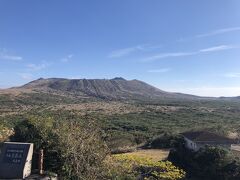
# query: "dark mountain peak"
{"points": [[119, 78]]}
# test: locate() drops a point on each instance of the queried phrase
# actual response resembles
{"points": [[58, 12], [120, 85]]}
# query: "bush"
{"points": [[73, 149], [5, 132], [165, 140], [83, 153], [207, 163], [120, 141]]}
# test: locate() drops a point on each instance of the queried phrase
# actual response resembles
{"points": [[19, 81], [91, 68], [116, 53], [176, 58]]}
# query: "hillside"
{"points": [[109, 89], [106, 89]]}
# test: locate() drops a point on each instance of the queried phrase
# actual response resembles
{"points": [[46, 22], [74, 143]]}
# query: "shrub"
{"points": [[73, 149], [82, 152], [5, 132], [207, 163], [165, 140]]}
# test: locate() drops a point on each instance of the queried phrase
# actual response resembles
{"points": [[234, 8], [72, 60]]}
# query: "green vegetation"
{"points": [[140, 125], [74, 149], [207, 163], [165, 140], [136, 128]]}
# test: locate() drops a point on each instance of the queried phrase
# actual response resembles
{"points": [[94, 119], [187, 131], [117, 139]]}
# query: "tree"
{"points": [[74, 149], [207, 163]]}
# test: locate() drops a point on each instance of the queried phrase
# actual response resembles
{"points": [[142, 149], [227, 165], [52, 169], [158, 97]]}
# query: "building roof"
{"points": [[207, 137], [235, 147]]}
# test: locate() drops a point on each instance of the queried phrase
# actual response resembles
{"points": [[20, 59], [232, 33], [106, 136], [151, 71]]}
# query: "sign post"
{"points": [[40, 162], [16, 160]]}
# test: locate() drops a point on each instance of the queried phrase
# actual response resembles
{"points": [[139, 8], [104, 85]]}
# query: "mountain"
{"points": [[110, 89], [107, 89]]}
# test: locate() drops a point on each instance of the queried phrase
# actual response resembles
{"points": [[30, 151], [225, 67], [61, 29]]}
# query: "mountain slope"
{"points": [[111, 89]]}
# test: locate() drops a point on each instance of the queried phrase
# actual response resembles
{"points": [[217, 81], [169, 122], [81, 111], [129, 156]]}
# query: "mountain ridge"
{"points": [[116, 88]]}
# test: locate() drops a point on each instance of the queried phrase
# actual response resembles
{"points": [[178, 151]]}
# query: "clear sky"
{"points": [[176, 45]]}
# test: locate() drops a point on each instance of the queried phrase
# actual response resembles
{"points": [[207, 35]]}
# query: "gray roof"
{"points": [[205, 136]]}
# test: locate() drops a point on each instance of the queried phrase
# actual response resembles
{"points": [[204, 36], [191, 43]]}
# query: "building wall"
{"points": [[190, 144], [196, 146], [235, 148]]}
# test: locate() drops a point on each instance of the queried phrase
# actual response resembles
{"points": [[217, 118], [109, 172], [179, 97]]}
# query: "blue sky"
{"points": [[181, 46]]}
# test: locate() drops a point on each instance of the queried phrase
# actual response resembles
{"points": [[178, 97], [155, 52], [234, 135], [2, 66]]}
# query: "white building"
{"points": [[197, 139]]}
